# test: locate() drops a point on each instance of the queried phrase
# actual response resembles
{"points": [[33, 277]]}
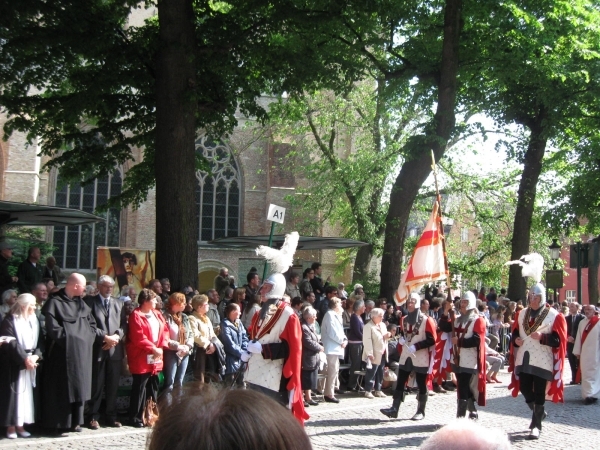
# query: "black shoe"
{"points": [[331, 399], [312, 403], [439, 390], [340, 391], [590, 401], [136, 424], [77, 429], [306, 405], [56, 433], [572, 383]]}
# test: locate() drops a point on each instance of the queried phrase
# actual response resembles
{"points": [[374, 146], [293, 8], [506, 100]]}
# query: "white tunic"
{"points": [[533, 357], [589, 359], [267, 372], [421, 357], [27, 335], [467, 356]]}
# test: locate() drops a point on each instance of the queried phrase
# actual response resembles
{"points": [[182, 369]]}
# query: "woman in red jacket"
{"points": [[147, 336]]}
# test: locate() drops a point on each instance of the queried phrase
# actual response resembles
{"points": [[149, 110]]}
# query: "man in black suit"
{"points": [[573, 320], [108, 352]]}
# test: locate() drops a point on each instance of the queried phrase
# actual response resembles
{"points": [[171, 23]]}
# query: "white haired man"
{"points": [[587, 350], [465, 434], [537, 356], [108, 352]]}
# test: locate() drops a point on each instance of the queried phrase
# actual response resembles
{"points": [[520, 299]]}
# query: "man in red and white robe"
{"points": [[275, 350], [587, 349], [537, 355], [468, 355], [417, 354]]}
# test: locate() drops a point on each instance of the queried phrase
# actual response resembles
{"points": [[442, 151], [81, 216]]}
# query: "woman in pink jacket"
{"points": [[147, 336]]}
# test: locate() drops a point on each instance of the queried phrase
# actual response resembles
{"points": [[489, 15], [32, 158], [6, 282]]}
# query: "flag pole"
{"points": [[438, 199]]}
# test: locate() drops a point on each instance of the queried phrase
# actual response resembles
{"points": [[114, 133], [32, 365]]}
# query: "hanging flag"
{"points": [[428, 262]]}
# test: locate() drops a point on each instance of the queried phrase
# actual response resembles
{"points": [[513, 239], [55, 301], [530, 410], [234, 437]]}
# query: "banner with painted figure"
{"points": [[128, 266]]}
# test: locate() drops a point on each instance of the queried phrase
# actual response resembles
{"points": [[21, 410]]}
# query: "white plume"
{"points": [[532, 266], [281, 259]]}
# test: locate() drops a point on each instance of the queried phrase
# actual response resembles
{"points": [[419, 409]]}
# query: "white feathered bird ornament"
{"points": [[281, 259], [532, 266]]}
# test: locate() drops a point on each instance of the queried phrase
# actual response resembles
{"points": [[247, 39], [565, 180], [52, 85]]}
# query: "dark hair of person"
{"points": [[145, 295], [434, 303], [330, 290], [392, 326], [293, 275], [550, 301], [253, 300], [227, 420], [151, 283], [297, 301], [305, 273], [251, 276], [30, 251], [315, 265], [503, 291], [230, 307], [305, 294], [481, 306], [130, 256]]}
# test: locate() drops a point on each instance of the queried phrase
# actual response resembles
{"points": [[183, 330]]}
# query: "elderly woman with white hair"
{"points": [[375, 336], [334, 342], [310, 354], [19, 354], [9, 298]]}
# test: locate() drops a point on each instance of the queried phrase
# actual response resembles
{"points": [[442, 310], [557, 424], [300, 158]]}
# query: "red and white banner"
{"points": [[428, 261]]}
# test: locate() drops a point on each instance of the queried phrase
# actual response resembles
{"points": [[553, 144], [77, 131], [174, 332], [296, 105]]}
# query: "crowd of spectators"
{"points": [[67, 349]]}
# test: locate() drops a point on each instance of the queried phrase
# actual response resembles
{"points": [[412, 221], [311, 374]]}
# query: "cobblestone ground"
{"points": [[356, 423]]}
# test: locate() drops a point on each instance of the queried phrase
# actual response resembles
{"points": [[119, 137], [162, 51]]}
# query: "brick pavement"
{"points": [[356, 423]]}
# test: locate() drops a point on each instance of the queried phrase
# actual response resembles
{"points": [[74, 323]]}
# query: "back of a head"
{"points": [[225, 420], [464, 434]]}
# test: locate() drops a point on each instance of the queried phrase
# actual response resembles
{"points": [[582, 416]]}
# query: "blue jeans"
{"points": [[173, 373], [374, 377]]}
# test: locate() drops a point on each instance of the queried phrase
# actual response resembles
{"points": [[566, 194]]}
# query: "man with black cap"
{"points": [[6, 280]]}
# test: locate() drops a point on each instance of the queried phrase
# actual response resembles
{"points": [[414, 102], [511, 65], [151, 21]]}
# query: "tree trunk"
{"points": [[362, 263], [416, 170], [525, 205], [176, 230]]}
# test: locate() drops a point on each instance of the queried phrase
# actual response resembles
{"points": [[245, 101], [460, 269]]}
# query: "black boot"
{"points": [[420, 415], [392, 412], [472, 410], [538, 416], [461, 410]]}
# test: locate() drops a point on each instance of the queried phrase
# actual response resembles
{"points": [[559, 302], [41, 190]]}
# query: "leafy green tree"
{"points": [[90, 86], [346, 147], [539, 70]]}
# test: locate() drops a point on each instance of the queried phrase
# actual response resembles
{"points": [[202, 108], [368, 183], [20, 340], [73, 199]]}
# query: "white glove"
{"points": [[254, 347], [246, 356], [412, 349], [401, 341]]}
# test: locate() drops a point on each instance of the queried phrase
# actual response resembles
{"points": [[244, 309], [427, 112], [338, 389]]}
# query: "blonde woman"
{"points": [[203, 336], [375, 337], [18, 362]]}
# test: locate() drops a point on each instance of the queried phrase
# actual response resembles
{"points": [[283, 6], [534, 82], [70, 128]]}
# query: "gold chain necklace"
{"points": [[538, 321]]}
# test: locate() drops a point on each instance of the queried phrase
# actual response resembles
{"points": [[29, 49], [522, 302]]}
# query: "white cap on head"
{"points": [[468, 295], [278, 284], [539, 289], [417, 298]]}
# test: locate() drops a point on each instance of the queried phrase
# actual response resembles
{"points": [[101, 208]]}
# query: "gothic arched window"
{"points": [[76, 245], [218, 192]]}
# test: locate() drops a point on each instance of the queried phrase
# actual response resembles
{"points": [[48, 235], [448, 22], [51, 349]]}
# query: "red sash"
{"points": [[593, 321], [256, 332]]}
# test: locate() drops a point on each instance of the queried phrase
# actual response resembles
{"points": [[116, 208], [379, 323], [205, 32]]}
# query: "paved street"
{"points": [[356, 423]]}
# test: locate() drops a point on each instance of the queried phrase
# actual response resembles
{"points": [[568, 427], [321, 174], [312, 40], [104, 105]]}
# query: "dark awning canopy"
{"points": [[305, 243], [12, 213]]}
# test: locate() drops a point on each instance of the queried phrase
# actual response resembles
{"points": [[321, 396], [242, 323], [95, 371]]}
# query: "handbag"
{"points": [[150, 414]]}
